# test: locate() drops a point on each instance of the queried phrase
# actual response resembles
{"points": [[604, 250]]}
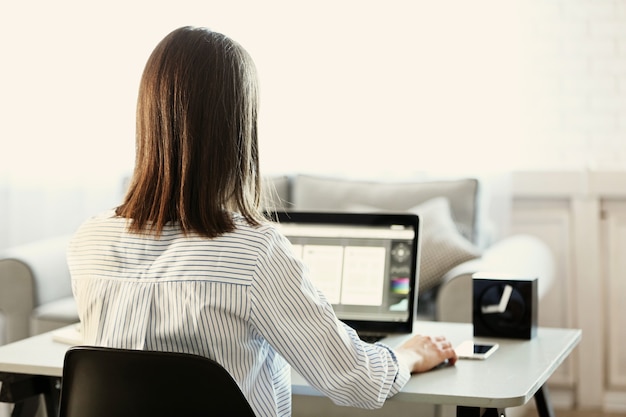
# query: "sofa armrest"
{"points": [[518, 255], [16, 299], [30, 275]]}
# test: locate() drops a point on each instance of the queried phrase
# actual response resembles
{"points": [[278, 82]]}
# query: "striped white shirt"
{"points": [[242, 299]]}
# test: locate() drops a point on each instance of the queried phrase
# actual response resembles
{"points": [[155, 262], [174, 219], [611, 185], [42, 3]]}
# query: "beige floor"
{"points": [[579, 413]]}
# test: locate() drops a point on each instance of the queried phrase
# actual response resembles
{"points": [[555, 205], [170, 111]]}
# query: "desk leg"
{"points": [[542, 400], [462, 411], [52, 397], [26, 408], [24, 392]]}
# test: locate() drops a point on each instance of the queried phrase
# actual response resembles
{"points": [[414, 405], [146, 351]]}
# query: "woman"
{"points": [[189, 264]]}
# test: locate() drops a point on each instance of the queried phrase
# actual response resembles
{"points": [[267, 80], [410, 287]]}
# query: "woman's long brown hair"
{"points": [[196, 145]]}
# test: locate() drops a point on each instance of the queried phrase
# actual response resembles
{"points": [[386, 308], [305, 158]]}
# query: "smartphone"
{"points": [[473, 350]]}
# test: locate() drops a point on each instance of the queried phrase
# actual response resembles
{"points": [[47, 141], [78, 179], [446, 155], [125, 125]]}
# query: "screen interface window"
{"points": [[363, 271]]}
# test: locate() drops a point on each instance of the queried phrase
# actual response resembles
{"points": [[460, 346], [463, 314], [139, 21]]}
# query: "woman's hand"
{"points": [[423, 353]]}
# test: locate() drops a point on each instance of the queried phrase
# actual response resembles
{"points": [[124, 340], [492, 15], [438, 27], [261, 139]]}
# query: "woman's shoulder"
{"points": [[104, 218], [108, 223], [100, 224], [266, 229]]}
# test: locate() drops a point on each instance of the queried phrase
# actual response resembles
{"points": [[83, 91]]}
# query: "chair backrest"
{"points": [[107, 382]]}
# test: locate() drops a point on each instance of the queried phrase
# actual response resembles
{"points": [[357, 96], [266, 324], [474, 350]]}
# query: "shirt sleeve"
{"points": [[300, 324]]}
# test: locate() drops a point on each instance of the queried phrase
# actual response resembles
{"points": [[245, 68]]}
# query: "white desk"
{"points": [[511, 377]]}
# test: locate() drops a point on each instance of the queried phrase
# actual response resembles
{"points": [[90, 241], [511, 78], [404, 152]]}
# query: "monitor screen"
{"points": [[364, 264]]}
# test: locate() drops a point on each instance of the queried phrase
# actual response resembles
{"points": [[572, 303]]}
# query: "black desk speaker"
{"points": [[504, 307]]}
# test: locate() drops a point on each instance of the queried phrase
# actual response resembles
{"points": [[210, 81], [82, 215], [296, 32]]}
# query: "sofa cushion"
{"points": [[443, 247], [53, 315], [312, 192]]}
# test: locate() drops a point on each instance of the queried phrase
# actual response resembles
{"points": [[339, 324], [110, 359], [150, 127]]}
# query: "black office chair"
{"points": [[107, 382]]}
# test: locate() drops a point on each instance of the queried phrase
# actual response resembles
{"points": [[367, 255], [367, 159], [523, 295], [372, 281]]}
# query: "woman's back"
{"points": [[177, 293]]}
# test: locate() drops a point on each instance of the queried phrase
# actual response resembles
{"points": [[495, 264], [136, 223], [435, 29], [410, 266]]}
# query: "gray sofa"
{"points": [[459, 239]]}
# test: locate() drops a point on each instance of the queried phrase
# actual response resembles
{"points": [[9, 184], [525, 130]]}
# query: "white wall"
{"points": [[364, 88], [541, 82]]}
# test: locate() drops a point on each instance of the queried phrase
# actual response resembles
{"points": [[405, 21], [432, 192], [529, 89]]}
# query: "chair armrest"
{"points": [[519, 255]]}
